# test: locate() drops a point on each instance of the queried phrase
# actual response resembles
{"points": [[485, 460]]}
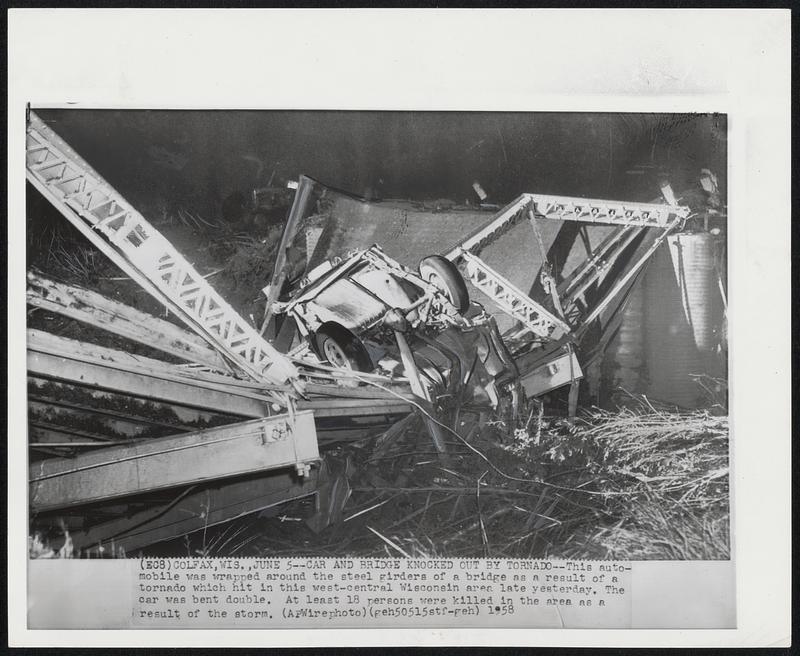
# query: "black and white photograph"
{"points": [[425, 334], [399, 327]]}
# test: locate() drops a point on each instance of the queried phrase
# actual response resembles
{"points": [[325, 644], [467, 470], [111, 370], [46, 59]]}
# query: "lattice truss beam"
{"points": [[81, 193], [512, 300], [592, 210]]}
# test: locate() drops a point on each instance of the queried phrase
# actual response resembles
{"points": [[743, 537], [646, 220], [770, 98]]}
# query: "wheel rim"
{"points": [[437, 281], [335, 354]]}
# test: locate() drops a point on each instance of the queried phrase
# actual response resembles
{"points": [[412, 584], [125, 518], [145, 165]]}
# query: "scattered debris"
{"points": [[479, 190], [640, 483], [376, 350]]}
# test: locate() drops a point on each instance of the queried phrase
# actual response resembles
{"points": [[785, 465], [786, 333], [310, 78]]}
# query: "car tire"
{"points": [[442, 273], [341, 348]]}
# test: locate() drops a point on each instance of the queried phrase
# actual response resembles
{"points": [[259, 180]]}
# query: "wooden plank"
{"points": [[154, 464], [102, 312], [198, 509]]}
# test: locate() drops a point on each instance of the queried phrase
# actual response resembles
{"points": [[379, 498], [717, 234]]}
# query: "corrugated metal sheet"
{"points": [[408, 233], [670, 350], [655, 351], [624, 365], [693, 263], [405, 233]]}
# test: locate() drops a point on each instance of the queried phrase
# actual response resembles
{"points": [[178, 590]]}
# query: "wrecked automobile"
{"points": [[358, 311]]}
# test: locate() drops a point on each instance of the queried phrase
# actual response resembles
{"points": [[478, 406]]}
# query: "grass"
{"points": [[643, 482], [80, 264], [667, 478], [639, 483], [663, 479]]}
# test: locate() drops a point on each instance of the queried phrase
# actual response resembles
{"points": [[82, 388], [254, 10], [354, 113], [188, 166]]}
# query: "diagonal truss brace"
{"points": [[514, 301], [509, 298], [78, 191], [107, 314], [625, 279], [566, 208]]}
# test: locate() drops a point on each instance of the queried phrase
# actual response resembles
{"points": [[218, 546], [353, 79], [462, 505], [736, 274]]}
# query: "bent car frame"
{"points": [[350, 311]]}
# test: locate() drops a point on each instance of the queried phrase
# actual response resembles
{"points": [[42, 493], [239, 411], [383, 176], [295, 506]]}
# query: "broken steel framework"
{"points": [[63, 361], [95, 207], [186, 510], [533, 316], [252, 446], [95, 309], [207, 460], [202, 385]]}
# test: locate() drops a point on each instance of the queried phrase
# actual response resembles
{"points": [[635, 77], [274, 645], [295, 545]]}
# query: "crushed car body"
{"points": [[349, 310], [360, 308], [358, 332]]}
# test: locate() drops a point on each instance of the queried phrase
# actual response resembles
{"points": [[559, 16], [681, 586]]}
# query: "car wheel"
{"points": [[443, 274], [341, 348]]}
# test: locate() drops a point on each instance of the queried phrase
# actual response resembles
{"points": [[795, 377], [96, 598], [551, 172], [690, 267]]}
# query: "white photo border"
{"points": [[735, 62]]}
